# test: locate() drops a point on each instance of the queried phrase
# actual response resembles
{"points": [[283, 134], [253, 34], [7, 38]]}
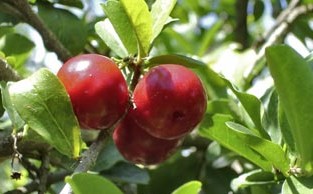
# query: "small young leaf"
{"points": [[192, 187], [85, 183], [253, 107], [141, 20], [42, 102], [15, 118], [293, 78], [107, 33], [255, 177], [119, 19], [217, 130], [160, 13]]}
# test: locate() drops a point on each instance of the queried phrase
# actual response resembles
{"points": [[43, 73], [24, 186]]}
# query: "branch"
{"points": [[279, 20], [43, 173], [89, 157], [281, 29], [241, 29], [50, 40], [7, 73]]}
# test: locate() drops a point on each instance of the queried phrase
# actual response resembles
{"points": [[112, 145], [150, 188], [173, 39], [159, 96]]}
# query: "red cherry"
{"points": [[97, 89], [139, 147], [169, 101]]}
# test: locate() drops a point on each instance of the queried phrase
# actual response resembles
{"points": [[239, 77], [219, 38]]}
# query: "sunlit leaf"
{"points": [[216, 129], [42, 102], [293, 78], [122, 26], [160, 12], [107, 33], [254, 177], [85, 183], [192, 187], [141, 20]]}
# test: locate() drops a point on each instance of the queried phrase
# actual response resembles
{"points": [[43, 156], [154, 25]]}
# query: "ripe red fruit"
{"points": [[169, 101], [139, 147], [97, 89]]}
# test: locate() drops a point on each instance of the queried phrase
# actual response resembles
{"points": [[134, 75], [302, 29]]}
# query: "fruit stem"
{"points": [[135, 78]]}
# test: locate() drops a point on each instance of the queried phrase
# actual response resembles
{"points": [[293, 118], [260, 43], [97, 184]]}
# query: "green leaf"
{"points": [[7, 104], [285, 129], [141, 21], [214, 84], [108, 157], [253, 107], [209, 37], [270, 151], [160, 13], [217, 130], [7, 18], [1, 106], [293, 79], [122, 26], [85, 183], [42, 102], [254, 177], [270, 117], [6, 30], [73, 3], [107, 33], [192, 187], [69, 29], [170, 174], [126, 172], [258, 9], [17, 46], [298, 185]]}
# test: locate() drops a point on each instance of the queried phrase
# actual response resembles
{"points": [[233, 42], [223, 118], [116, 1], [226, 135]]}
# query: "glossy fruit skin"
{"points": [[97, 89], [169, 101], [139, 147]]}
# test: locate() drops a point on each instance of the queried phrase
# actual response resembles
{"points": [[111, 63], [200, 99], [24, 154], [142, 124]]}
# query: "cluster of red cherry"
{"points": [[167, 104]]}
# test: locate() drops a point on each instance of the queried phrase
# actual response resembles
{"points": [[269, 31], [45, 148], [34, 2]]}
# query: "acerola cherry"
{"points": [[139, 147], [169, 101], [97, 90]]}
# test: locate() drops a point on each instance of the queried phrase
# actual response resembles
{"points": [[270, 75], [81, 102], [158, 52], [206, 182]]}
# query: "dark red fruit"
{"points": [[97, 89], [169, 101], [139, 147]]}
